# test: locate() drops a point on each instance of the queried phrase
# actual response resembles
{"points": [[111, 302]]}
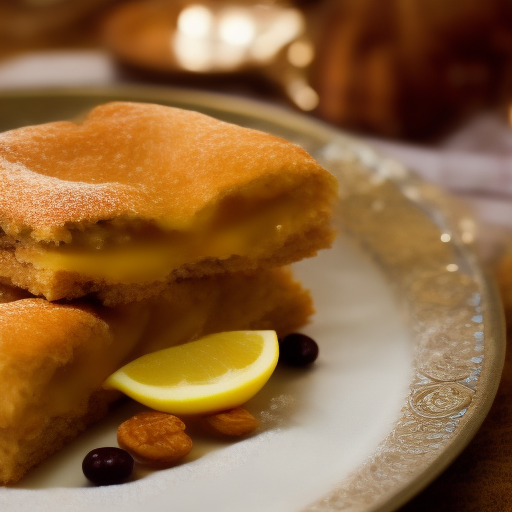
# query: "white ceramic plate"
{"points": [[410, 332]]}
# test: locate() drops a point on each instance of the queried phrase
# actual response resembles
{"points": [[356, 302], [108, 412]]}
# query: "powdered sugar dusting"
{"points": [[275, 415], [69, 201], [159, 163]]}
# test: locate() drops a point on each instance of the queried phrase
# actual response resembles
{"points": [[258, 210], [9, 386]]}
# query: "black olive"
{"points": [[107, 466], [297, 350]]}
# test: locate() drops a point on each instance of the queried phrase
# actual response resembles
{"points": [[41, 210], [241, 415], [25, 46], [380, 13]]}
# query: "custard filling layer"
{"points": [[151, 258]]}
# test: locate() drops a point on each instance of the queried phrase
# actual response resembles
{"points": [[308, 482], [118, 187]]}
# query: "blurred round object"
{"points": [[204, 37]]}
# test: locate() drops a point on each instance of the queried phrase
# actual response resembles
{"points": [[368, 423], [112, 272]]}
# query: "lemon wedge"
{"points": [[211, 374]]}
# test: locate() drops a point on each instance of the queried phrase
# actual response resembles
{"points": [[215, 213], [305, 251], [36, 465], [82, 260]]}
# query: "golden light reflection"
{"points": [[229, 56], [303, 95], [236, 27], [281, 28], [301, 53], [412, 192], [196, 21], [223, 38], [445, 237], [468, 228], [452, 267], [194, 54], [467, 237]]}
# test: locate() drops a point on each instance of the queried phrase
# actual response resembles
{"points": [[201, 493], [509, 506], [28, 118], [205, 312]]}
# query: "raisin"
{"points": [[107, 466], [297, 350]]}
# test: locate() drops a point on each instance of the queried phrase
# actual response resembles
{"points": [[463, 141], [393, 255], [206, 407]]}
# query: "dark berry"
{"points": [[297, 350], [107, 466]]}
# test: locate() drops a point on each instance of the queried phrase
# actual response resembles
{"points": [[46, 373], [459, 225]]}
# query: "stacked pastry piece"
{"points": [[141, 227]]}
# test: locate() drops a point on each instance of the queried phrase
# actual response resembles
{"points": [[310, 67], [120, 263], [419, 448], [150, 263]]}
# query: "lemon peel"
{"points": [[214, 373]]}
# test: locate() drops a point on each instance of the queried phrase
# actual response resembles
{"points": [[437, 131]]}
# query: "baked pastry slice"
{"points": [[54, 358], [139, 195]]}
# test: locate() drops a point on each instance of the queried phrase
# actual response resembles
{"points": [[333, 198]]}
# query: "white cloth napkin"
{"points": [[483, 178], [57, 69]]}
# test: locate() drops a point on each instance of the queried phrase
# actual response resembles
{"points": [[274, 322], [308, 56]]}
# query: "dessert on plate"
{"points": [[151, 226], [54, 357], [136, 196]]}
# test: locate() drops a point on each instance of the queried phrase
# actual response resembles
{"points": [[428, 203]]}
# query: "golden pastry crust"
{"points": [[54, 357], [39, 340], [144, 161], [188, 195]]}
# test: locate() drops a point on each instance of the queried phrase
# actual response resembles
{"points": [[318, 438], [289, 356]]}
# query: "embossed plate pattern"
{"points": [[410, 231]]}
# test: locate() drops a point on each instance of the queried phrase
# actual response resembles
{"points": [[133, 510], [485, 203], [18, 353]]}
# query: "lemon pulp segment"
{"points": [[217, 372]]}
